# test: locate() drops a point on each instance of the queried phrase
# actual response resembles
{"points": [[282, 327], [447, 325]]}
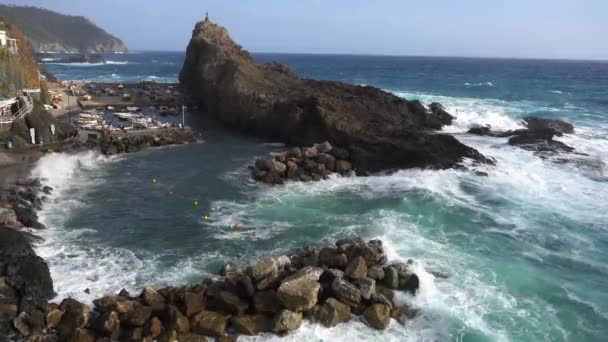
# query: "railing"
{"points": [[22, 112]]}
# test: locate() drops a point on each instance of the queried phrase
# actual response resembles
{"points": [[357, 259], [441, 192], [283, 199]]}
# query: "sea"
{"points": [[519, 255]]}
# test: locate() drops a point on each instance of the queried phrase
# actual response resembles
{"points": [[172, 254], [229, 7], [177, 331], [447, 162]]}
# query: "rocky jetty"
{"points": [[379, 130], [351, 280], [537, 136], [303, 164], [135, 141]]}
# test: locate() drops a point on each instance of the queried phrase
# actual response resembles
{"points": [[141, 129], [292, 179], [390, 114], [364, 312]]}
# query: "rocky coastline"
{"points": [[351, 280]]}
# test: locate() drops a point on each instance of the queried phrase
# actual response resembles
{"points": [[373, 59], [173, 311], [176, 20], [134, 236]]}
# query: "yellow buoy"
{"points": [[154, 180], [206, 218], [195, 202]]}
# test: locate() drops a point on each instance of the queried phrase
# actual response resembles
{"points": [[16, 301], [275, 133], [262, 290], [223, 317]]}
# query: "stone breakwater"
{"points": [[135, 141], [303, 164], [352, 280]]}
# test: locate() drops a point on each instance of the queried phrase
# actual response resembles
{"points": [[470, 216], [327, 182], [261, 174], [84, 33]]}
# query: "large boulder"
{"points": [[287, 321], [541, 124], [378, 316], [332, 313], [266, 302], [251, 324], [380, 130], [209, 323], [346, 292], [299, 292]]}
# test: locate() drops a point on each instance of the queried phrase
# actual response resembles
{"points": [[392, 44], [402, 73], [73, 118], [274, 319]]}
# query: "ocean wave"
{"points": [[557, 91], [481, 84], [86, 64], [470, 112]]}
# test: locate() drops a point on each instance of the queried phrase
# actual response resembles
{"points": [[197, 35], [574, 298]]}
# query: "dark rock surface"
{"points": [[378, 129], [537, 136]]}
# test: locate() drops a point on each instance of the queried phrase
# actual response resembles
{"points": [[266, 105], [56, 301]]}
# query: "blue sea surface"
{"points": [[525, 249]]}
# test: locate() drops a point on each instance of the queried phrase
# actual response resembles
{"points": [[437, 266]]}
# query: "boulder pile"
{"points": [[333, 285], [303, 164]]}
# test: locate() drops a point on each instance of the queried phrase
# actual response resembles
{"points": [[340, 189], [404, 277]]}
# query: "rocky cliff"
{"points": [[381, 130], [51, 31]]}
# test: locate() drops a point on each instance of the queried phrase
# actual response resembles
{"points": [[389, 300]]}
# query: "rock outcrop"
{"points": [[380, 130], [275, 294], [537, 136]]}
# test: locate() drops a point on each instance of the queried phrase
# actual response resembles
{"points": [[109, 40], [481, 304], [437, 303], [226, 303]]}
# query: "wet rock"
{"points": [[193, 303], [378, 316], [124, 293], [20, 324], [240, 283], [539, 124], [107, 303], [367, 286], [266, 302], [82, 335], [175, 320], [330, 257], [439, 117], [75, 316], [292, 170], [287, 320], [153, 328], [53, 317], [209, 323], [295, 153], [137, 317], [406, 313], [8, 217], [229, 267], [264, 268], [123, 307], [346, 292], [391, 277], [299, 291], [332, 313], [228, 303], [324, 147], [329, 275], [343, 166], [187, 337], [151, 297], [375, 273], [356, 268], [107, 324], [251, 324]]}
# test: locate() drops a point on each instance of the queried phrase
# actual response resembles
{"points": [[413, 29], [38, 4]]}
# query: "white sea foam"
{"points": [[470, 112], [481, 84]]}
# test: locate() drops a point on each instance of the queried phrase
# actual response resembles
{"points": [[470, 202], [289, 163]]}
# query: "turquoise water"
{"points": [[525, 249]]}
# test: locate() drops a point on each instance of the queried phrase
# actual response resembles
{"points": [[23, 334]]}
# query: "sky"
{"points": [[565, 29]]}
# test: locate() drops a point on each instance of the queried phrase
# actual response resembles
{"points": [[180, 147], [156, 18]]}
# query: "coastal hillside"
{"points": [[17, 70], [51, 31]]}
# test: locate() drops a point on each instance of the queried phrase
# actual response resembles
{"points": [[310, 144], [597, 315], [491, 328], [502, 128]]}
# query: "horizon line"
{"points": [[565, 59]]}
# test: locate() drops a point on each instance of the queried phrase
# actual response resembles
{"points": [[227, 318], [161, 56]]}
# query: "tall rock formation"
{"points": [[381, 130]]}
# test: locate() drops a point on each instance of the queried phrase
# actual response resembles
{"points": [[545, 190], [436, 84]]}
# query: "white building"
{"points": [[10, 42]]}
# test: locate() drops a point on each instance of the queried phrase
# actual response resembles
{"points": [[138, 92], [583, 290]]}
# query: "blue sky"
{"points": [[481, 28]]}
